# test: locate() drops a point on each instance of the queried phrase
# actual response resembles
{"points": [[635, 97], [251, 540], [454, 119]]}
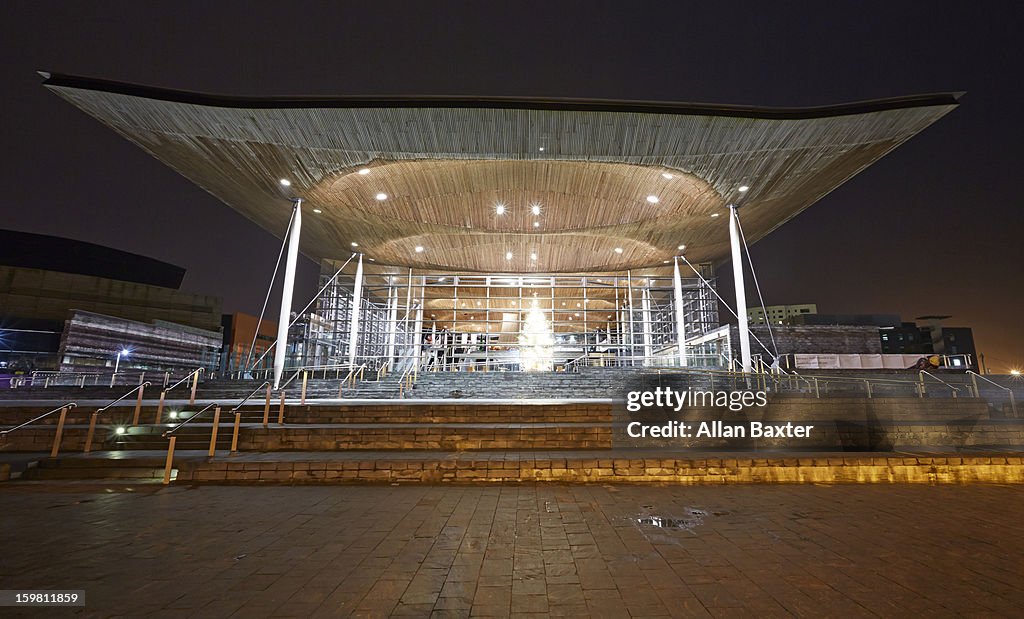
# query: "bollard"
{"points": [[213, 433], [160, 408], [234, 434], [60, 432], [170, 460], [90, 433], [266, 408], [195, 384], [302, 399], [138, 405], [280, 411]]}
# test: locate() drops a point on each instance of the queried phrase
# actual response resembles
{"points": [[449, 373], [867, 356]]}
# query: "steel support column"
{"points": [[287, 288], [741, 295], [677, 285], [357, 294]]}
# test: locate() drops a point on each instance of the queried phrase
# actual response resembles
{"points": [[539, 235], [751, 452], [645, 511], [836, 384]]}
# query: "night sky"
{"points": [[933, 228]]}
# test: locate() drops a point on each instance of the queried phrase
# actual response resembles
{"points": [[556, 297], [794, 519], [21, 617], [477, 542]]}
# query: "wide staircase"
{"points": [[474, 427]]}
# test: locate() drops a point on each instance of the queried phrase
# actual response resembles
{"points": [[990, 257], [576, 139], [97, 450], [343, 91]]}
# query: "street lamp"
{"points": [[123, 352]]}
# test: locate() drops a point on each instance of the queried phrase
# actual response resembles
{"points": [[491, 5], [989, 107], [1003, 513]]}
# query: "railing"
{"points": [[408, 380], [63, 410], [266, 406], [354, 375], [95, 416], [974, 381], [924, 373], [194, 377]]}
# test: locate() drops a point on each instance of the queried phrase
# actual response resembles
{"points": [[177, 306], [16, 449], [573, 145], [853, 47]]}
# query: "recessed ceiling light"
{"points": [[500, 209], [743, 189], [508, 255], [372, 260], [618, 250], [652, 199], [563, 303], [536, 224], [381, 196], [286, 182], [714, 214], [533, 256], [317, 211], [666, 175], [570, 317], [577, 314], [419, 249], [541, 149], [681, 247], [535, 209], [354, 244], [364, 171], [577, 305], [478, 304]]}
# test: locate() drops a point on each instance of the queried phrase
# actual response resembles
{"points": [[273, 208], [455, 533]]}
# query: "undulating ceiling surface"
{"points": [[506, 185]]}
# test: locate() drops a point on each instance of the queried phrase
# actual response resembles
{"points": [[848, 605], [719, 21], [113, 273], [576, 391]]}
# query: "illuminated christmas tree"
{"points": [[536, 342]]}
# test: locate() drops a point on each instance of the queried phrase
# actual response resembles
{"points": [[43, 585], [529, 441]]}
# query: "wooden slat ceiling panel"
{"points": [[445, 169]]}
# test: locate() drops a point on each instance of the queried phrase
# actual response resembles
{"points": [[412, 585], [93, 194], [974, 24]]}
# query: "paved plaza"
{"points": [[517, 550]]}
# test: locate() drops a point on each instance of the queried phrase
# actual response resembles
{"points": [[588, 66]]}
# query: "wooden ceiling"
{"points": [[445, 164]]}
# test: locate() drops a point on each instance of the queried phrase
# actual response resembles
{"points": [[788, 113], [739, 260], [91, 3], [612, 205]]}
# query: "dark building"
{"points": [[45, 280], [927, 336]]}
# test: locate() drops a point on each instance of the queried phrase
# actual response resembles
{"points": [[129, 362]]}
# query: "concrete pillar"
{"points": [[677, 284], [741, 294], [357, 295], [288, 287]]}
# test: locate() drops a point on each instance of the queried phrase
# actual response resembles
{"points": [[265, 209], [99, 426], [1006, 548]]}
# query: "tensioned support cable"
{"points": [[311, 301], [719, 297], [757, 286], [270, 289]]}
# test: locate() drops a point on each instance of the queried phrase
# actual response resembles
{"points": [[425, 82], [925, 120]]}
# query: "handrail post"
{"points": [[921, 376], [91, 432], [280, 411], [817, 393], [138, 404], [868, 384], [266, 408], [60, 432], [195, 385], [305, 377], [920, 390], [170, 460], [213, 433], [974, 383], [160, 407], [234, 433]]}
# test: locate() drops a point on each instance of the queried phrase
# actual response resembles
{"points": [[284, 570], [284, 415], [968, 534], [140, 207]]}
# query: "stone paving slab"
{"points": [[525, 550]]}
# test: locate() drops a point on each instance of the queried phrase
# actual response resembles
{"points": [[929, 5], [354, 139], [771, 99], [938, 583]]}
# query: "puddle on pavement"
{"points": [[694, 518]]}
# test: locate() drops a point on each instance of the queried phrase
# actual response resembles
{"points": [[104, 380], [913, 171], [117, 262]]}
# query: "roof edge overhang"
{"points": [[59, 80]]}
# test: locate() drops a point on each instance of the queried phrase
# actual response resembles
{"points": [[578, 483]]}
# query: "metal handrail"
{"points": [[145, 384], [1013, 401], [248, 397], [989, 380], [186, 378], [922, 372], [189, 420], [288, 382], [35, 419]]}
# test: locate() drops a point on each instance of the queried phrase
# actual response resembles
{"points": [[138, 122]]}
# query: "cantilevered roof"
{"points": [[617, 184]]}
